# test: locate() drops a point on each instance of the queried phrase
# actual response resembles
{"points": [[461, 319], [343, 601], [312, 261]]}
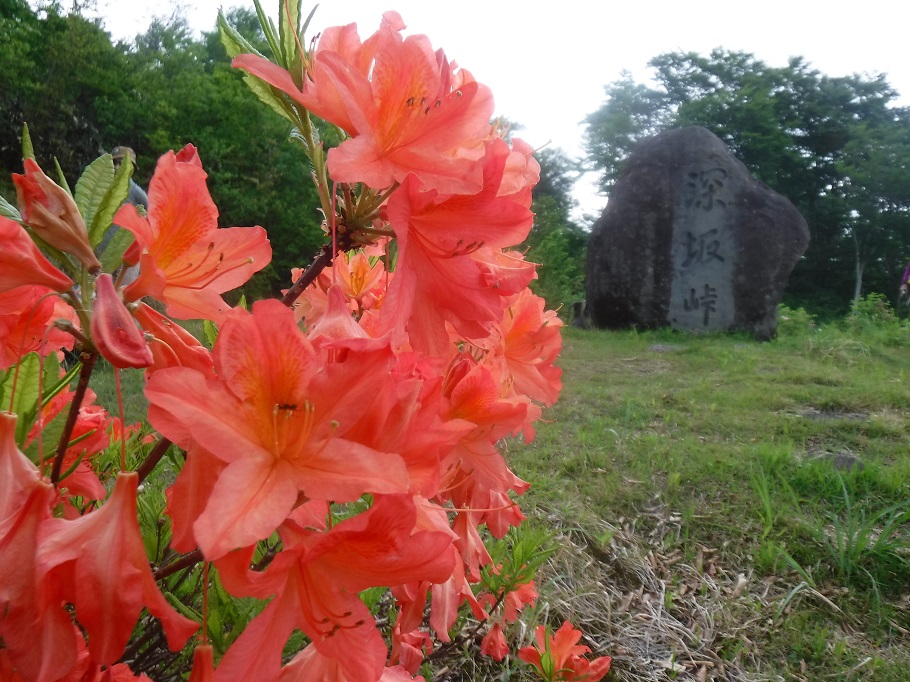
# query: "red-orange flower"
{"points": [[404, 105], [278, 419], [185, 261], [92, 430], [530, 343], [172, 345], [560, 657], [316, 582], [494, 643], [51, 212], [22, 263], [27, 315], [40, 637], [453, 244], [98, 563]]}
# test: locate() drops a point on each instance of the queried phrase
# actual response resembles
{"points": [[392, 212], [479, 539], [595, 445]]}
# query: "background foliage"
{"points": [[838, 148], [81, 95]]}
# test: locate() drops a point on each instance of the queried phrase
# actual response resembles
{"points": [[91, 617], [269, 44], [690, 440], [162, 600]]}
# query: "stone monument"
{"points": [[690, 239]]}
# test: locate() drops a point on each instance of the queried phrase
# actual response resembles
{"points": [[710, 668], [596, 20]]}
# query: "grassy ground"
{"points": [[729, 509]]}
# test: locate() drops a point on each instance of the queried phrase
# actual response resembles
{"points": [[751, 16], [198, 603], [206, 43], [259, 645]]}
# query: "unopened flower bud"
{"points": [[51, 212], [114, 332]]}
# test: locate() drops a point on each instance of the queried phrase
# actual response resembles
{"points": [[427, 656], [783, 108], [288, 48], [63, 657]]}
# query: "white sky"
{"points": [[548, 62]]}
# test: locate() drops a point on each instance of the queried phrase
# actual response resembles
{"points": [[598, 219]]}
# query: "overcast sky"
{"points": [[548, 62]]}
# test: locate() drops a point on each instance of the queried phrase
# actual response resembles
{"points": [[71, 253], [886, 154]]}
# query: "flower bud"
{"points": [[51, 212], [114, 332]]}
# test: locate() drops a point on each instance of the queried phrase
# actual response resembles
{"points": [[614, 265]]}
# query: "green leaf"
{"points": [[100, 192], [28, 152], [274, 98], [61, 178], [210, 331], [50, 437], [112, 257], [113, 199], [287, 33], [92, 185], [234, 43], [25, 399], [268, 28], [7, 210]]}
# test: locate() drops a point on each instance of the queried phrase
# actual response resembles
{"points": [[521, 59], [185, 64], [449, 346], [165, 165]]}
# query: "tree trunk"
{"points": [[859, 267]]}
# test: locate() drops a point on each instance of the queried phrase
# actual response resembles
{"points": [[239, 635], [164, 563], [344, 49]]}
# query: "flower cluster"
{"points": [[356, 426]]}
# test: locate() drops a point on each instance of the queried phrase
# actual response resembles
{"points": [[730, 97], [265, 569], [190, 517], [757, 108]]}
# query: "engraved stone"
{"points": [[690, 239]]}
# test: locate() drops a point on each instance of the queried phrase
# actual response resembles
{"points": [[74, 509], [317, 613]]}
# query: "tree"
{"points": [[59, 73], [187, 92], [808, 136], [82, 95], [555, 240]]}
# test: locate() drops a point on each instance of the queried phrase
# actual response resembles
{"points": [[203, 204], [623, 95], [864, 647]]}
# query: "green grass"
{"points": [[736, 446]]}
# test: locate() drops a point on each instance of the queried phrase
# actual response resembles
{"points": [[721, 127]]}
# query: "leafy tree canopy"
{"points": [[81, 95]]}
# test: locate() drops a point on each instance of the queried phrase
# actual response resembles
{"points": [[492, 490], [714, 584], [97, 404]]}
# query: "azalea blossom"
{"points": [[114, 331], [98, 563], [27, 317], [170, 344], [454, 243], [185, 260], [316, 580], [22, 263], [405, 107], [560, 657], [278, 419], [92, 429]]}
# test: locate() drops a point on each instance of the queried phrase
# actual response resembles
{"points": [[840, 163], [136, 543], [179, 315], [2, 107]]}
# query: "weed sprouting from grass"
{"points": [[868, 549]]}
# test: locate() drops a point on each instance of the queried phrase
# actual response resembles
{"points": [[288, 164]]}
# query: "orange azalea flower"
{"points": [[311, 666], [98, 563], [359, 278], [530, 343], [494, 643], [203, 664], [453, 244], [172, 345], [405, 106], [93, 430], [185, 261], [278, 419], [51, 212], [26, 318], [560, 657], [522, 170], [316, 581], [21, 262], [18, 474], [41, 640]]}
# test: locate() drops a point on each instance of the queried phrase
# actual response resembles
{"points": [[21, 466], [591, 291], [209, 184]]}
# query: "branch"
{"points": [[323, 259], [185, 561], [153, 458], [88, 364]]}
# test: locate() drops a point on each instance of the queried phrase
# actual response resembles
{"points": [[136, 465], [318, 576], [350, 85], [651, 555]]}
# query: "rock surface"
{"points": [[690, 239]]}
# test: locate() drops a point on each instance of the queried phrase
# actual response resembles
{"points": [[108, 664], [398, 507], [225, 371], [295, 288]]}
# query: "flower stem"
{"points": [[88, 365], [152, 459], [185, 561], [323, 259]]}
